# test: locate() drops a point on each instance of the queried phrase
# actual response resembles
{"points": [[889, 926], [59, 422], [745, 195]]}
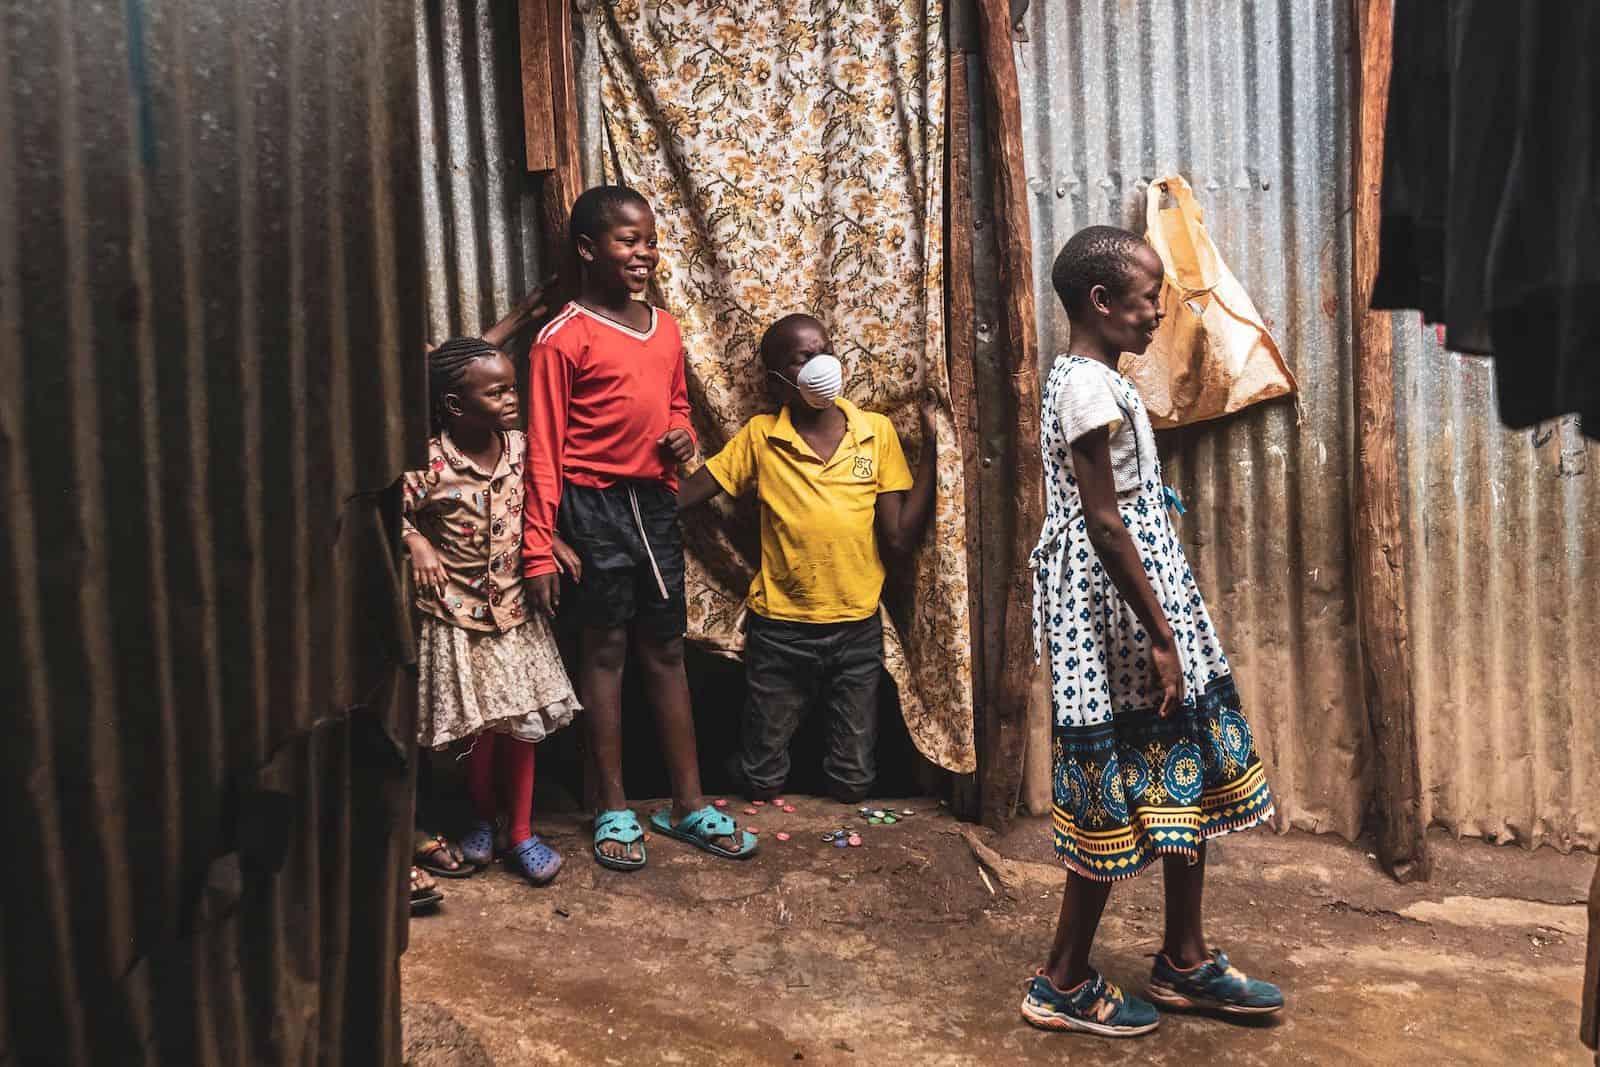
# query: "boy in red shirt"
{"points": [[608, 423]]}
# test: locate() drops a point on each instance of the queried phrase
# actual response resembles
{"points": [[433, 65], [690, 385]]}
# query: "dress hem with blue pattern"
{"points": [[1128, 785]]}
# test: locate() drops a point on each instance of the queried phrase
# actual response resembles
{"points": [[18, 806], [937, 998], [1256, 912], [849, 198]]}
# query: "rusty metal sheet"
{"points": [[1249, 102], [1503, 529], [209, 254], [1252, 102], [480, 205]]}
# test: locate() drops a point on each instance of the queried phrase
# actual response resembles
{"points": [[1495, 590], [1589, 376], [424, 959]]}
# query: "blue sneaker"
{"points": [[1093, 1006], [1215, 985]]}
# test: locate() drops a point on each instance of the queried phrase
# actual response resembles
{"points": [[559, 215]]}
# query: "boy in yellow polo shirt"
{"points": [[834, 489]]}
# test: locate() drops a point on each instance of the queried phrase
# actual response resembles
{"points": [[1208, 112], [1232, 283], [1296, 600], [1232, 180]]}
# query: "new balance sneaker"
{"points": [[1215, 985], [1093, 1006]]}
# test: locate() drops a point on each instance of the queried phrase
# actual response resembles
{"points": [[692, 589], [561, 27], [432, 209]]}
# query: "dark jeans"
{"points": [[792, 667]]}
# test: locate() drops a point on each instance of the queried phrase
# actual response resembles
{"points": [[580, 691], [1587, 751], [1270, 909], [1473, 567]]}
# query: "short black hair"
{"points": [[447, 369], [769, 340], [1097, 255], [596, 209]]}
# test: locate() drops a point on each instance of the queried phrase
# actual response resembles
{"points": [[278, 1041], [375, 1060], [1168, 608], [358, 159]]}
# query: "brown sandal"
{"points": [[428, 848], [425, 896]]}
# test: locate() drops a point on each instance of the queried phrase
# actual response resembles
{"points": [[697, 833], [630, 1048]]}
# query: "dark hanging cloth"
{"points": [[1491, 222]]}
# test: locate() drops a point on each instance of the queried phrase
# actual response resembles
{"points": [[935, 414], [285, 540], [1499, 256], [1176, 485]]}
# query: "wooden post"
{"points": [[550, 120], [1380, 548], [1589, 1027], [538, 114], [1002, 776], [961, 330]]}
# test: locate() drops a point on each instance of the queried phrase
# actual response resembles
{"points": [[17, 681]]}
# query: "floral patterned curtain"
{"points": [[794, 153]]}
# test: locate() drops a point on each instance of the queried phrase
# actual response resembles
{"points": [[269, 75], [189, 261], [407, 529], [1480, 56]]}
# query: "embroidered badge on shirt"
{"points": [[862, 468]]}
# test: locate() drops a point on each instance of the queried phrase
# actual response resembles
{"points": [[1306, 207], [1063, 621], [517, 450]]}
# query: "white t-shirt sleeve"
{"points": [[1086, 402]]}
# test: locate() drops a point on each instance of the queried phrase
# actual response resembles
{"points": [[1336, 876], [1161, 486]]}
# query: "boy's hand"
{"points": [[679, 444], [430, 573], [567, 559], [545, 592], [535, 304]]}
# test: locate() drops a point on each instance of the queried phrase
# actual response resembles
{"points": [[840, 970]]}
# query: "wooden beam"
{"points": [[961, 332], [552, 119], [1380, 545], [538, 114], [1589, 1030], [1010, 690]]}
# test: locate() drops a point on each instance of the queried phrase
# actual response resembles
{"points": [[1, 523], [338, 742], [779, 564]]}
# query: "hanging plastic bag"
{"points": [[1212, 355]]}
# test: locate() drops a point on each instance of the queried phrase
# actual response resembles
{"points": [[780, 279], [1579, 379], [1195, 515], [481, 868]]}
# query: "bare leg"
{"points": [[600, 689], [1081, 907], [1184, 943], [661, 660]]}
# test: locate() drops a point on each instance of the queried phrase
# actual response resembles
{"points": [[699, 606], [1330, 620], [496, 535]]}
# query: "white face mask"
{"points": [[821, 380]]}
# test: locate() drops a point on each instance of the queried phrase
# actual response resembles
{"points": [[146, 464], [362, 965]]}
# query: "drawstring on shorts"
{"points": [[638, 520]]}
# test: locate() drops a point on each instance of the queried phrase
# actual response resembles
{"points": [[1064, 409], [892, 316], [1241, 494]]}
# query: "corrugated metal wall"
{"points": [[209, 267], [1252, 102], [480, 205], [1504, 529]]}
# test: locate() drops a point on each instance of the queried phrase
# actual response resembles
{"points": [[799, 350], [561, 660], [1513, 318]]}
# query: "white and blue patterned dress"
{"points": [[1129, 785]]}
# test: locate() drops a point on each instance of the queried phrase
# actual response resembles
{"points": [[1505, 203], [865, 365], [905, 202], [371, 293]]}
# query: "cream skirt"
{"points": [[511, 681]]}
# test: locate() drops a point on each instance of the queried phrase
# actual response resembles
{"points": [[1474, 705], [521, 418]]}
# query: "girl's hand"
{"points": [[928, 413], [545, 592], [1169, 674], [567, 559], [430, 573], [679, 444]]}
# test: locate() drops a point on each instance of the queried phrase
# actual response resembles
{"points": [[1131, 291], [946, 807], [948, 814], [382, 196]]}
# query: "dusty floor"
{"points": [[898, 953]]}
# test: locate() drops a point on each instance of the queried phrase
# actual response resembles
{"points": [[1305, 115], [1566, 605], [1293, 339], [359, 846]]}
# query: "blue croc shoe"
{"points": [[538, 862], [1094, 1006], [1215, 985]]}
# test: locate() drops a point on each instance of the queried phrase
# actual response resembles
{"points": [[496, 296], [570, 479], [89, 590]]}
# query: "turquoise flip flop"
{"points": [[699, 828], [623, 827]]}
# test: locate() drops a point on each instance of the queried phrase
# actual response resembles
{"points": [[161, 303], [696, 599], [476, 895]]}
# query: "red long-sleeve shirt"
{"points": [[600, 396]]}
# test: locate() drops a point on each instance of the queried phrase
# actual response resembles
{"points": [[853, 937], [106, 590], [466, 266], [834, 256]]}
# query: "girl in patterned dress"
{"points": [[1152, 755], [489, 669]]}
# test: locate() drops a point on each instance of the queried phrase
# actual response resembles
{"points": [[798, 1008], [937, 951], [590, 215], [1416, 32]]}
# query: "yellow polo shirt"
{"points": [[819, 554]]}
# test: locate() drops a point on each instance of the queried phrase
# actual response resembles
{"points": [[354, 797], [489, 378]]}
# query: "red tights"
{"points": [[503, 758]]}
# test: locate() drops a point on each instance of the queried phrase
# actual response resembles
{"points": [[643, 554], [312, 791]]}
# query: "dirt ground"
{"points": [[898, 952]]}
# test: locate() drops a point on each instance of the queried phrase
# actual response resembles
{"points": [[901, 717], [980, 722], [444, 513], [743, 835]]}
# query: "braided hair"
{"points": [[447, 371], [1098, 255], [596, 208]]}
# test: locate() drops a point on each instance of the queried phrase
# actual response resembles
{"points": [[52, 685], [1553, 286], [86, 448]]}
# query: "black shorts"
{"points": [[627, 537]]}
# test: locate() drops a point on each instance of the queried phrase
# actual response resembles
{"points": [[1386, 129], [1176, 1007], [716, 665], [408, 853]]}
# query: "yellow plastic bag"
{"points": [[1212, 354]]}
